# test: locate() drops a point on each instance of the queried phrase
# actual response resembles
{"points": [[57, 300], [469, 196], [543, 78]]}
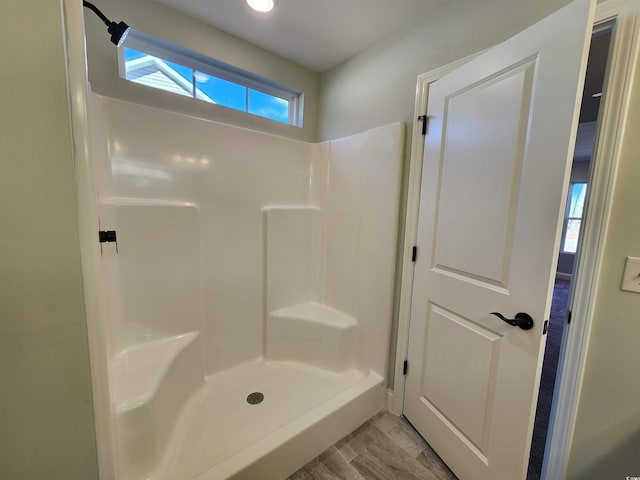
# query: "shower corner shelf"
{"points": [[313, 334], [138, 370], [317, 313]]}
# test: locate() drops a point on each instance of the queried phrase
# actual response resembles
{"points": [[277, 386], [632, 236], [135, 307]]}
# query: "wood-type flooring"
{"points": [[386, 447]]}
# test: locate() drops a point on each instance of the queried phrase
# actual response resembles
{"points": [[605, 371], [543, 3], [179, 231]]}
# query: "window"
{"points": [[152, 62], [573, 217]]}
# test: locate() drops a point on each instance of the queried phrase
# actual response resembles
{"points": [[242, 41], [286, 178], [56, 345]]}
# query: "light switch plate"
{"points": [[631, 276]]}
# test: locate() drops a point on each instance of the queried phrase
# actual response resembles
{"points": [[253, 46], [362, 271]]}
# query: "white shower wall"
{"points": [[237, 247], [361, 217], [228, 174], [186, 196]]}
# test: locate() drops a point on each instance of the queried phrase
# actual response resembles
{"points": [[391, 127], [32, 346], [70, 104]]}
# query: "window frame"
{"points": [[156, 47]]}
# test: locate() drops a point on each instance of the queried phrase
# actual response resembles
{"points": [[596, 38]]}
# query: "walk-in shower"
{"points": [[247, 308]]}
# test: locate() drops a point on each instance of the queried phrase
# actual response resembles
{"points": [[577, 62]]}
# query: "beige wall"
{"points": [[378, 86], [46, 419], [158, 20], [607, 437]]}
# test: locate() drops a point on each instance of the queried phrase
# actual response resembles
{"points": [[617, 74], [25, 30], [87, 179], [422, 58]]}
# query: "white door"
{"points": [[495, 174]]}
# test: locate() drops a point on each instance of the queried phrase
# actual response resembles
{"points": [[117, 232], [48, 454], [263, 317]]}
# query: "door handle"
{"points": [[522, 320]]}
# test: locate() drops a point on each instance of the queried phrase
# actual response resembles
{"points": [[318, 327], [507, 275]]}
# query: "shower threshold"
{"points": [[304, 410]]}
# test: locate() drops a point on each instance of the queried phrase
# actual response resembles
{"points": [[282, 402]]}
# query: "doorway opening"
{"points": [[569, 245]]}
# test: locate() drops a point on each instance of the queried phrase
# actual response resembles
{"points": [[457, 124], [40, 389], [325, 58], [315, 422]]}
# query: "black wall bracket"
{"points": [[108, 236]]}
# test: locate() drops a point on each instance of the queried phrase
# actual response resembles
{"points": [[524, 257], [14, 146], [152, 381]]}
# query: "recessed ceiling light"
{"points": [[262, 5]]}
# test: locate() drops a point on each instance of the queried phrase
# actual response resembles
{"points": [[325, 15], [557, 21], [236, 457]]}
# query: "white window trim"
{"points": [[173, 53]]}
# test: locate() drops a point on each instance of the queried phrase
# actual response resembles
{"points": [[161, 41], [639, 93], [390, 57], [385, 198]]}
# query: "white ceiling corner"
{"points": [[317, 34]]}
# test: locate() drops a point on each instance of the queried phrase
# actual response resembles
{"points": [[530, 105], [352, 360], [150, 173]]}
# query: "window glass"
{"points": [[268, 106], [573, 218], [572, 235], [223, 84], [158, 73], [185, 72], [222, 92], [131, 54], [577, 192]]}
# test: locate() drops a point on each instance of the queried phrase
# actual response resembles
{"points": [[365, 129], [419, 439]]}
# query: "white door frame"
{"points": [[611, 127]]}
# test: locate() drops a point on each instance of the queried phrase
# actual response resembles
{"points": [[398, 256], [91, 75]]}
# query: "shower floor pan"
{"points": [[220, 435]]}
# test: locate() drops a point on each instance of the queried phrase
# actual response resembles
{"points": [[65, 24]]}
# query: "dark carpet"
{"points": [[547, 382]]}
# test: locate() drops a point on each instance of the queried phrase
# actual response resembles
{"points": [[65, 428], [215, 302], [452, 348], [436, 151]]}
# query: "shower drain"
{"points": [[255, 398]]}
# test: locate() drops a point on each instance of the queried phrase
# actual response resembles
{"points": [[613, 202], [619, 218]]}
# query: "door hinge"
{"points": [[405, 367], [107, 236], [568, 317], [545, 328], [414, 254], [425, 121]]}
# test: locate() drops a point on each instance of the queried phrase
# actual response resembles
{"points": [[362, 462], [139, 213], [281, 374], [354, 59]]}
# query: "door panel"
{"points": [[494, 181], [494, 115], [471, 351]]}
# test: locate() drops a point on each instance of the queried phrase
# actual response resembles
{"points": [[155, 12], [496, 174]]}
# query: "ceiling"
{"points": [[317, 34]]}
